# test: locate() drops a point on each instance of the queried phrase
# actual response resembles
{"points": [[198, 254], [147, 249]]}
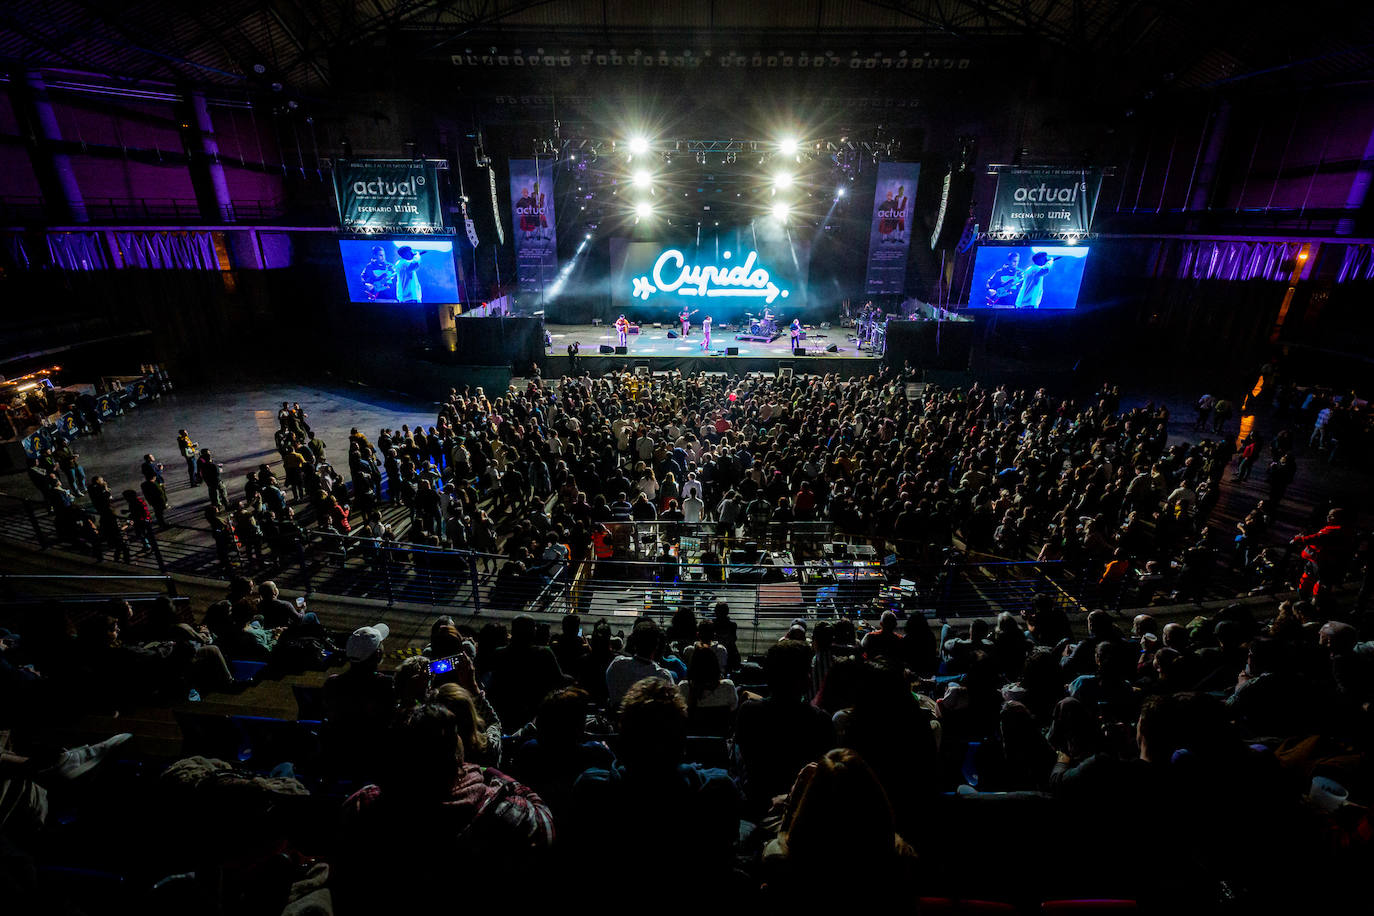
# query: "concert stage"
{"points": [[662, 353]]}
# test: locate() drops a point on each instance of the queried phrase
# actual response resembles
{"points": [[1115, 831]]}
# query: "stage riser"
{"points": [[846, 367]]}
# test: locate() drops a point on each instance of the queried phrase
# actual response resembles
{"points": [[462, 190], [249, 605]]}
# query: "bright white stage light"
{"points": [[839, 192], [643, 179], [788, 146], [639, 145], [644, 209], [782, 180], [781, 212]]}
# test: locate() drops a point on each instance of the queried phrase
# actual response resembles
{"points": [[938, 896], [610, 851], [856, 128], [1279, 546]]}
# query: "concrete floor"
{"points": [[237, 424]]}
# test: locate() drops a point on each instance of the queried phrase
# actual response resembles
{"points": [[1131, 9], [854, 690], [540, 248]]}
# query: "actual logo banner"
{"points": [[1039, 202], [889, 236], [388, 195], [536, 243]]}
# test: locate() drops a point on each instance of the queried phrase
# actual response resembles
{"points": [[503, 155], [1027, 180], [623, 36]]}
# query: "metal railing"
{"points": [[758, 586], [11, 584]]}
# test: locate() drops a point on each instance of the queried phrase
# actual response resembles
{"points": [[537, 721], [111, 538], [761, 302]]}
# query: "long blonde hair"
{"points": [[471, 729]]}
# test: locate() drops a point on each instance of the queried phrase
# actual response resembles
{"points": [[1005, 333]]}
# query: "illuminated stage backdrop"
{"points": [[889, 236], [536, 243], [725, 277]]}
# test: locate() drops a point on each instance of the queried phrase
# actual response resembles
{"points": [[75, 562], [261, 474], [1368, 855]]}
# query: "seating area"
{"points": [[1042, 765]]}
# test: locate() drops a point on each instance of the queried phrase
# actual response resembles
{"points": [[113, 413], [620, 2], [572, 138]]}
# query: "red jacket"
{"points": [[1332, 544]]}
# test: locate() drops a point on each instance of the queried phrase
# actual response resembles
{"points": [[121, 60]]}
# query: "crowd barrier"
{"points": [[758, 586]]}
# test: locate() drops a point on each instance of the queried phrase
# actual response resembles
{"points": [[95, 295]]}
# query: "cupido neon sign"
{"points": [[671, 274]]}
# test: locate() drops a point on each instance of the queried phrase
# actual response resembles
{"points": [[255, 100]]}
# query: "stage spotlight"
{"points": [[781, 212], [639, 145], [839, 192], [642, 178], [782, 180], [644, 209], [788, 146]]}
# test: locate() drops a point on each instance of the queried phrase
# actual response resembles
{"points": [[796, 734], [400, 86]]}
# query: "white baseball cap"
{"points": [[366, 642]]}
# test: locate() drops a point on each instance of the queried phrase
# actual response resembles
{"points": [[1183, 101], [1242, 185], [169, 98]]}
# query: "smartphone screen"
{"points": [[300, 602]]}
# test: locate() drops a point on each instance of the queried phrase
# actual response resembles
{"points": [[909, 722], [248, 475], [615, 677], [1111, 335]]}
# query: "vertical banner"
{"points": [[1039, 202], [536, 246], [889, 237]]}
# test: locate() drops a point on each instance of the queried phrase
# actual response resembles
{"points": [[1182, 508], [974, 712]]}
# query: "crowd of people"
{"points": [[535, 474], [516, 750]]}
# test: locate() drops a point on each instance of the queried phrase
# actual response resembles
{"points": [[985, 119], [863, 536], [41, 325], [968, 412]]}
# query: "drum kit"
{"points": [[761, 326]]}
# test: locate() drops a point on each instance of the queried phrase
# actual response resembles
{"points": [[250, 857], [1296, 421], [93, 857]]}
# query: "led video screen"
{"points": [[735, 274], [1027, 277], [399, 270]]}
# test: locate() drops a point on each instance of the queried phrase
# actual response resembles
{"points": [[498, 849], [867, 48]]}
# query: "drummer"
{"points": [[768, 324]]}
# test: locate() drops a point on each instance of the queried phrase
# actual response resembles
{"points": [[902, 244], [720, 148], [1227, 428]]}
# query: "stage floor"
{"points": [[654, 342]]}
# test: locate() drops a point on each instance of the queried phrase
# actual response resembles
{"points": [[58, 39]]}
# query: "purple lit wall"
{"points": [[14, 158]]}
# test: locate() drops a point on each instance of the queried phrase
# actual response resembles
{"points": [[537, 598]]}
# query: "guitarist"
{"points": [[378, 277], [1005, 281], [686, 318]]}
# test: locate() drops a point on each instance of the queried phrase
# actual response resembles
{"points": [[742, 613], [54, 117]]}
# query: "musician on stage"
{"points": [[622, 330], [767, 327], [686, 318], [795, 331], [706, 333]]}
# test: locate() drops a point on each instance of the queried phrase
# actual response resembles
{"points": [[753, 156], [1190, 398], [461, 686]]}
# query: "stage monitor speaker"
{"points": [[672, 335], [732, 351], [833, 348], [799, 351], [607, 349], [622, 351]]}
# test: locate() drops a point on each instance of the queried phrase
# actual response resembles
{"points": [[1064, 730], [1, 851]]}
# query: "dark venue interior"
{"points": [[906, 455]]}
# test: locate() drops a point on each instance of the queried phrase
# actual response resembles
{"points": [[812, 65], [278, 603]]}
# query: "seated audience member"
{"points": [[276, 612], [569, 647], [208, 669], [359, 702], [641, 647], [478, 725], [920, 653], [432, 811], [24, 779], [522, 673], [958, 652], [444, 640], [1082, 658], [710, 698], [558, 751], [651, 779], [411, 682], [837, 811], [777, 735], [884, 642]]}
